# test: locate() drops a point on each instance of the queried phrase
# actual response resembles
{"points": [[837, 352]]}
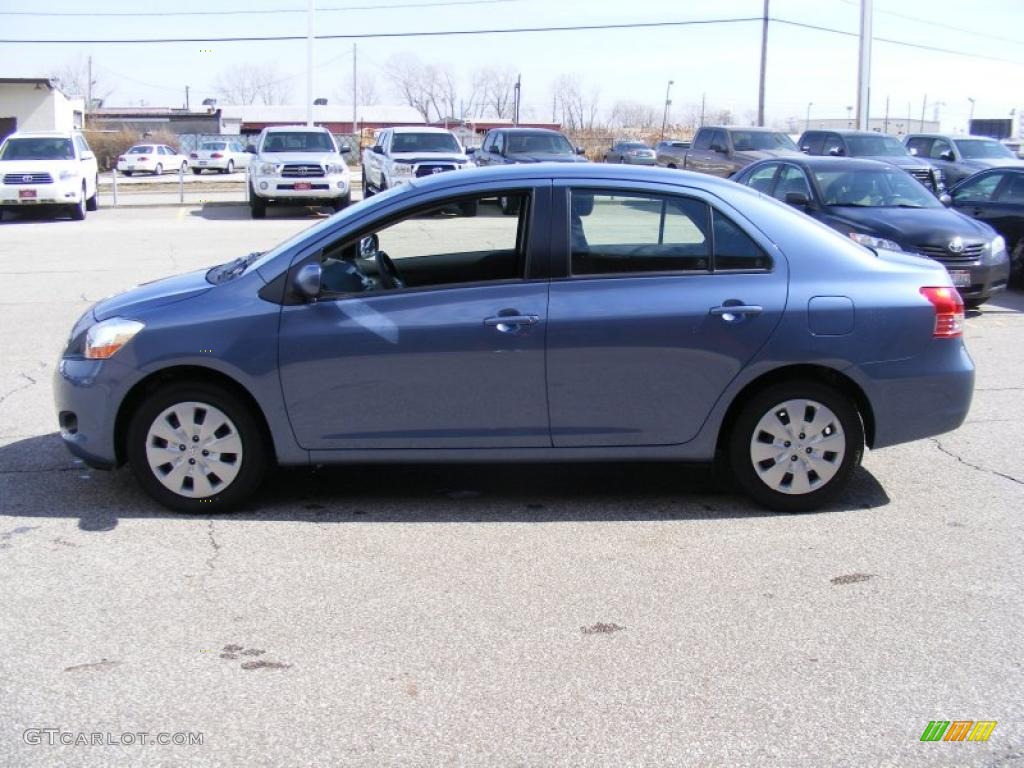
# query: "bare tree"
{"points": [[577, 109], [633, 116], [72, 77], [410, 81], [500, 89], [366, 93], [253, 84]]}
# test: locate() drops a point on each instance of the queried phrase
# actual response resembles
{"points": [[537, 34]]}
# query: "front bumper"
{"points": [[329, 187], [57, 193], [87, 394], [986, 280]]}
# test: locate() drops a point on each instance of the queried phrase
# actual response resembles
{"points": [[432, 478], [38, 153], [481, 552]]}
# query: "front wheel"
{"points": [[257, 205], [342, 202], [795, 445], [196, 447]]}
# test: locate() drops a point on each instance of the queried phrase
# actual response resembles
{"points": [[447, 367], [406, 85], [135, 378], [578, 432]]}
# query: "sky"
{"points": [[984, 60]]}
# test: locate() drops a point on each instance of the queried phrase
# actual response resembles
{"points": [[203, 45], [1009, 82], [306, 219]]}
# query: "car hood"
{"points": [[984, 163], [148, 296], [910, 227], [900, 161], [301, 157], [545, 157], [36, 166], [753, 155], [428, 157]]}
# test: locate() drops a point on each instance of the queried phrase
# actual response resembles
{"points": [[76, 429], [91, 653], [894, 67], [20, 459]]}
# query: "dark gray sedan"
{"points": [[622, 315], [630, 153]]}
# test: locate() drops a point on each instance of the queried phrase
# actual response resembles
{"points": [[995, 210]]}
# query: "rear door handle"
{"points": [[730, 311]]}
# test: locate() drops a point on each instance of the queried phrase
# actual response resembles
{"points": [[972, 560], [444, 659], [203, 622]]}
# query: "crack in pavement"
{"points": [[42, 469], [23, 387], [216, 547], [966, 463]]}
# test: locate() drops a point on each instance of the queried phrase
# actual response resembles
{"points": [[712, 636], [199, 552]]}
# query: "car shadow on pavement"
{"points": [[240, 212], [38, 478], [1005, 303]]}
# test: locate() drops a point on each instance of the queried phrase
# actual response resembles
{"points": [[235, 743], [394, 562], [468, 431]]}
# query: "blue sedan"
{"points": [[624, 314]]}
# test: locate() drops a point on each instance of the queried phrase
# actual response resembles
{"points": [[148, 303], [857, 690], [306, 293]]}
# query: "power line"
{"points": [[938, 24], [372, 35], [247, 12]]}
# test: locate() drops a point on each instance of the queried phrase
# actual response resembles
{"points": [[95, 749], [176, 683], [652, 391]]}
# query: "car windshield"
{"points": [[38, 149], [424, 142], [540, 143], [883, 188], [141, 150], [875, 146], [213, 147], [983, 149], [298, 141], [744, 141]]}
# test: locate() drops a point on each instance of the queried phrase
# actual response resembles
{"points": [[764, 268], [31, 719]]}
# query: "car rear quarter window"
{"points": [[920, 146], [833, 145], [812, 142], [734, 248]]}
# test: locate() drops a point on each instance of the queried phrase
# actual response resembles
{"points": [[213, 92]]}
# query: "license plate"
{"points": [[303, 185], [961, 278], [202, 162], [26, 194]]}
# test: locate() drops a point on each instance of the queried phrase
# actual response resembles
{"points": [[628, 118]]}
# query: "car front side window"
{"points": [[979, 190]]}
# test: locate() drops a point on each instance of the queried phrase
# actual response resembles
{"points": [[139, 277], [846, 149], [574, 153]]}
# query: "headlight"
{"points": [[68, 175], [267, 169], [336, 168], [402, 169], [104, 339], [998, 248], [874, 242]]}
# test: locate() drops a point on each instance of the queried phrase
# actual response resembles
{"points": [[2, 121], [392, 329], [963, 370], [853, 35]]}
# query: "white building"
{"points": [[36, 104]]}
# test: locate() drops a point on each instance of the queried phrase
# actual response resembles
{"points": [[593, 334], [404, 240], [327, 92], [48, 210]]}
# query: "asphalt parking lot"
{"points": [[496, 615]]}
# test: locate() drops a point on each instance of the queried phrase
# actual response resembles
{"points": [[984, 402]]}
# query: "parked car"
{"points": [[870, 145], [996, 197], [960, 156], [151, 158], [880, 206], [630, 153], [625, 314], [401, 154], [220, 156], [721, 151], [296, 165], [53, 169], [512, 146], [669, 153]]}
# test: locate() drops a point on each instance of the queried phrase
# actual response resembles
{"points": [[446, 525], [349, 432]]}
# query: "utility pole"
{"points": [[764, 65], [971, 118], [518, 94], [668, 103], [864, 67], [186, 99], [703, 99], [355, 94], [885, 126], [88, 89], [807, 122], [310, 15], [924, 105]]}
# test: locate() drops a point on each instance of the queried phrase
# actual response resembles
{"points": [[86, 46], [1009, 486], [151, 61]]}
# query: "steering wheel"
{"points": [[387, 271]]}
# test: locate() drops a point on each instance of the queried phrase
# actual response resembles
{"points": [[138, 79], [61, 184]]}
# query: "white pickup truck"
{"points": [[297, 165], [401, 154], [52, 169]]}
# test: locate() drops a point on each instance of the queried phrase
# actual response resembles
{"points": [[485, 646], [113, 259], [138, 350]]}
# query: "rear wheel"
{"points": [[184, 165], [159, 170], [795, 445], [128, 173], [231, 167], [93, 203], [197, 171], [196, 447], [1017, 264]]}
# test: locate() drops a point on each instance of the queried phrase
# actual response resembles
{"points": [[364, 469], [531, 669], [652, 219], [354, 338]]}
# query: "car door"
{"points": [[453, 360], [977, 196], [938, 155], [641, 339]]}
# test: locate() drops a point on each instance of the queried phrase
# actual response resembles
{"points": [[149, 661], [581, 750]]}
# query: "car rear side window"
{"points": [[812, 142], [614, 232], [920, 146], [833, 145], [703, 140]]}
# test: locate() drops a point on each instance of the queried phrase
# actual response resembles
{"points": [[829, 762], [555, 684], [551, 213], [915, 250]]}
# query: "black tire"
{"points": [[342, 202], [197, 171], [257, 206], [184, 165], [672, 165], [1017, 265], [367, 192], [760, 405], [77, 211], [159, 170], [128, 173], [93, 203], [231, 167], [471, 208], [974, 303], [509, 206], [255, 458]]}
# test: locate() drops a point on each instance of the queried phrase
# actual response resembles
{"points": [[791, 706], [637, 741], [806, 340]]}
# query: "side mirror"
{"points": [[948, 156], [378, 149], [251, 149], [806, 150], [470, 151], [580, 151], [368, 246], [912, 151], [307, 281], [345, 149], [945, 199], [797, 199]]}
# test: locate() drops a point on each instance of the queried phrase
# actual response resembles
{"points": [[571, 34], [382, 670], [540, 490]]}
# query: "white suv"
{"points": [[297, 165], [48, 168]]}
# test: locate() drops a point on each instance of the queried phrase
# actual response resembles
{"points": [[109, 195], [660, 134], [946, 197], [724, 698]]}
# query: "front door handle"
{"points": [[509, 323], [733, 312]]}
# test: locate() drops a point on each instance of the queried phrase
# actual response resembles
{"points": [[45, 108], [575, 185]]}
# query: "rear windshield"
{"points": [[875, 146], [299, 141], [213, 147], [38, 149], [745, 141], [424, 142], [140, 151], [542, 143]]}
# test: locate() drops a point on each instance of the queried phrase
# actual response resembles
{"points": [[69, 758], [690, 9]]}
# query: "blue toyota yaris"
{"points": [[624, 314]]}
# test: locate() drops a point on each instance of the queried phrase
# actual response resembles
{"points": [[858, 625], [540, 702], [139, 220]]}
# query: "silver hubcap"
{"points": [[194, 450], [797, 447]]}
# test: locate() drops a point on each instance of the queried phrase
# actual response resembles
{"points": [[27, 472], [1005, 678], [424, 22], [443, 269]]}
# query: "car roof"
{"points": [[527, 130], [756, 128], [951, 136], [825, 162], [42, 134], [294, 128], [418, 129], [849, 132]]}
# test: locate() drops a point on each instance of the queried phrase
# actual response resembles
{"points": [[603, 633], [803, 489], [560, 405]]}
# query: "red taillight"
{"points": [[949, 311], [142, 158], [194, 156], [216, 155]]}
